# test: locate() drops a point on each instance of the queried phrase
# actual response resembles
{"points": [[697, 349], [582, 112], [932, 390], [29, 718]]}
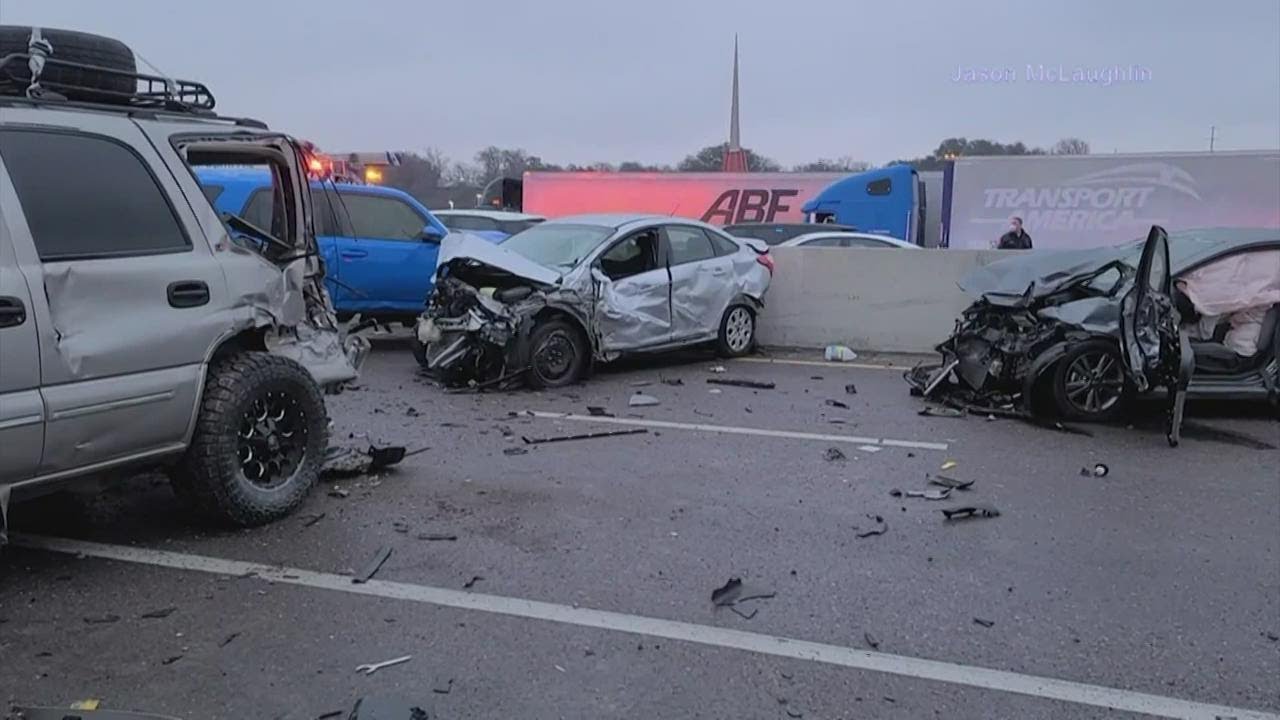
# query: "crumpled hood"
{"points": [[466, 247], [1044, 271]]}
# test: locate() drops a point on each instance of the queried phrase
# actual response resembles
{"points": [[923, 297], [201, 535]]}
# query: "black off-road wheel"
{"points": [[737, 332], [558, 354], [1089, 382], [259, 441]]}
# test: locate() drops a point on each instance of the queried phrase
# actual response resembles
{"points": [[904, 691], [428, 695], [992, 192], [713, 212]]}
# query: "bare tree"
{"points": [[841, 164], [1070, 146]]}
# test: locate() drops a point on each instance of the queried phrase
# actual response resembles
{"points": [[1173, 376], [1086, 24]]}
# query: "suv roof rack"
{"points": [[152, 91]]}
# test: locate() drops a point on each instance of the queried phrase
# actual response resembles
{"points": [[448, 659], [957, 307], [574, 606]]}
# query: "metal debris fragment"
{"points": [[970, 511], [337, 492], [642, 400], [930, 494], [443, 688], [984, 623], [851, 389], [880, 527], [584, 436], [374, 565], [949, 482], [871, 640], [515, 451], [837, 404], [228, 639], [739, 382], [158, 614], [597, 411], [833, 454], [471, 583], [434, 537], [948, 464], [734, 592], [371, 668]]}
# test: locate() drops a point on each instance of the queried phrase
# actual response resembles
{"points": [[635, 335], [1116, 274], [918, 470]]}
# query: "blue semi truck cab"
{"points": [[887, 201]]}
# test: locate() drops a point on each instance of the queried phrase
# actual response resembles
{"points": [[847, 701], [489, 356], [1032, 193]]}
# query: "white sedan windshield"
{"points": [[556, 245]]}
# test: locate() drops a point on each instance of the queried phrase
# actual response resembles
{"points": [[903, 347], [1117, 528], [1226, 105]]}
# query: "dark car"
{"points": [[1081, 332], [778, 233]]}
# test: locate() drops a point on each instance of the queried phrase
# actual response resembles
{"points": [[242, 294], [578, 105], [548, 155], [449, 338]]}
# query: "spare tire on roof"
{"points": [[72, 46]]}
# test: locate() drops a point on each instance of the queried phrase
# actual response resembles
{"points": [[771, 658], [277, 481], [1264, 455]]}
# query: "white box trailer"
{"points": [[1077, 201]]}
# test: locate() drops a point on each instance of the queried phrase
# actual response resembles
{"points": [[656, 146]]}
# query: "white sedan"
{"points": [[846, 240]]}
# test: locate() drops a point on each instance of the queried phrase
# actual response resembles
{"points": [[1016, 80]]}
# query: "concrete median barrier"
{"points": [[866, 298]]}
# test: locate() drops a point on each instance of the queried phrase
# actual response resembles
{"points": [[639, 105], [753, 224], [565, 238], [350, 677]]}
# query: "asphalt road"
{"points": [[1154, 585]]}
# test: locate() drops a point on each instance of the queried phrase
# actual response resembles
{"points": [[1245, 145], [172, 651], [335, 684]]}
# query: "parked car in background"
{"points": [[495, 225], [546, 302], [138, 329], [1083, 331], [379, 244], [847, 240], [778, 233]]}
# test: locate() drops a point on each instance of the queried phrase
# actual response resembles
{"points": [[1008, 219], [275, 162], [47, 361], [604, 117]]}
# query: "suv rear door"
{"points": [[123, 277], [21, 407]]}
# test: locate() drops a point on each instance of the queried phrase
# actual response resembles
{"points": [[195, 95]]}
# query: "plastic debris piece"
{"points": [[472, 582], [870, 448], [970, 511], [584, 436], [674, 382], [309, 520], [155, 615], [437, 537], [400, 526], [715, 391], [717, 369], [1098, 470], [947, 465], [228, 639], [949, 482], [337, 492], [642, 400], [936, 411], [833, 454], [374, 564], [443, 688], [871, 640], [851, 389], [371, 668], [837, 404], [895, 492], [171, 660], [984, 623], [839, 353], [515, 451], [89, 704], [597, 411], [879, 528], [102, 619], [738, 382], [386, 708], [735, 592], [930, 494]]}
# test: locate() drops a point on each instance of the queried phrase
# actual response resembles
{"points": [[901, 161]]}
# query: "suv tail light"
{"points": [[766, 260]]}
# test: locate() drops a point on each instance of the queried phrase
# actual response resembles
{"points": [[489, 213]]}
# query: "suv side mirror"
{"points": [[430, 234]]}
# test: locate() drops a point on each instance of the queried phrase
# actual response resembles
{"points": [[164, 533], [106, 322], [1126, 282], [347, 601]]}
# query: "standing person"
{"points": [[1016, 238]]}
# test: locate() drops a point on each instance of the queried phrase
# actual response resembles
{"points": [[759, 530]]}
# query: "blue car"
{"points": [[379, 244]]}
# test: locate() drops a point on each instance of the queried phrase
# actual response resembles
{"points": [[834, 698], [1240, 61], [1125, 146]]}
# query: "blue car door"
{"points": [[385, 263]]}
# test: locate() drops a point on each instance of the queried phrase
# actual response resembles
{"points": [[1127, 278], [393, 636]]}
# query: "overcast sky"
{"points": [[585, 80]]}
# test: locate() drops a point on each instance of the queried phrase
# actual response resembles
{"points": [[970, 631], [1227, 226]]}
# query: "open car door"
{"points": [[1155, 352]]}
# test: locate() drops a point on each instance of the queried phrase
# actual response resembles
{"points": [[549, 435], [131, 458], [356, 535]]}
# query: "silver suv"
{"points": [[138, 327]]}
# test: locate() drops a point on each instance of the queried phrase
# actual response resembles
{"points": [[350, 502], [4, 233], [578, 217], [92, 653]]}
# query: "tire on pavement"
{"points": [[78, 47], [737, 332], [558, 354], [259, 441]]}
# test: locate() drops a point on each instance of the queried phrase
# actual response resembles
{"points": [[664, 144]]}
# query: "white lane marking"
{"points": [[823, 363], [937, 670], [734, 430]]}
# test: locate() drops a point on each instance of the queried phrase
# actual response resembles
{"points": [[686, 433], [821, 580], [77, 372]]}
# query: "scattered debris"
{"points": [[337, 492], [870, 448], [89, 704], [102, 619], [793, 713], [1273, 637], [411, 411], [851, 389], [947, 465], [559, 668], [930, 494], [471, 583], [371, 668], [641, 383], [584, 436], [1098, 470], [443, 688], [228, 639], [400, 526], [833, 454], [171, 660], [949, 482], [437, 537], [309, 520], [715, 391], [837, 404], [739, 382], [839, 353], [880, 527], [674, 382], [158, 614], [938, 411], [331, 715], [734, 592], [970, 511], [373, 566], [346, 461], [984, 623], [386, 708], [717, 368], [597, 411], [642, 400], [871, 640], [895, 492], [515, 451], [815, 377]]}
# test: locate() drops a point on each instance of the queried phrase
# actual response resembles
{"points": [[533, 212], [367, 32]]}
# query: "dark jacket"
{"points": [[1015, 241]]}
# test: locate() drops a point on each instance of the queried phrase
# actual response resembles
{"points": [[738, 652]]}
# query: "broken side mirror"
{"points": [[430, 234]]}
